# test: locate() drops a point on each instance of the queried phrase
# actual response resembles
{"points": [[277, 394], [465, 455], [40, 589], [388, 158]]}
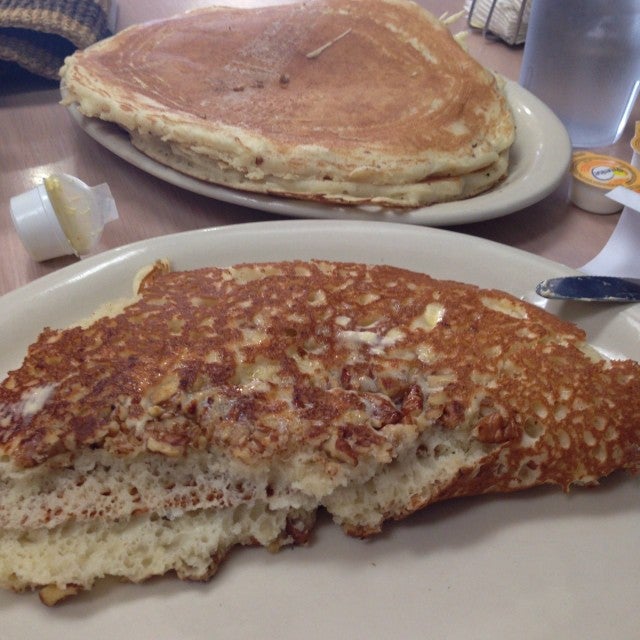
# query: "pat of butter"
{"points": [[74, 215]]}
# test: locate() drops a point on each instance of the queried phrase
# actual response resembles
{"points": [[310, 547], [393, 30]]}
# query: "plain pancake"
{"points": [[225, 406], [425, 192], [367, 92]]}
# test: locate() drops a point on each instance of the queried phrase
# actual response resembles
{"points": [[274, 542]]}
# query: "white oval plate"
{"points": [[539, 160], [540, 564]]}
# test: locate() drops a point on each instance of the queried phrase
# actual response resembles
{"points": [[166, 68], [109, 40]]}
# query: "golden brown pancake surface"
{"points": [[301, 344], [225, 406], [264, 81], [352, 92]]}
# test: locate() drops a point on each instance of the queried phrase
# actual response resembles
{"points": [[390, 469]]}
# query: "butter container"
{"points": [[594, 175], [62, 216], [635, 147]]}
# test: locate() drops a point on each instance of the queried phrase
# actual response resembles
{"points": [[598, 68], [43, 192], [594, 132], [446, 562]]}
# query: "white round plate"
{"points": [[539, 160], [539, 564]]}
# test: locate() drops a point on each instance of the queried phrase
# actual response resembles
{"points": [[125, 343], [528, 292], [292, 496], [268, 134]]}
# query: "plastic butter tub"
{"points": [[594, 175], [635, 147], [62, 216]]}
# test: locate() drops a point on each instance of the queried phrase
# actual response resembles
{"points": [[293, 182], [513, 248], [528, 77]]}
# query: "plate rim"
{"points": [[93, 262], [333, 235]]}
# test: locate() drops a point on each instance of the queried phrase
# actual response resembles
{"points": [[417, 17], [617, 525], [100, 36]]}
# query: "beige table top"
{"points": [[39, 138]]}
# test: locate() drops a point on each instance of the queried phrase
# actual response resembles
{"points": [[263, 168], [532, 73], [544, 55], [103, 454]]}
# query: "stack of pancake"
{"points": [[341, 101]]}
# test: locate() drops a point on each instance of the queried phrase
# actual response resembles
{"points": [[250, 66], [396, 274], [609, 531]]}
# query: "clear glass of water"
{"points": [[582, 58]]}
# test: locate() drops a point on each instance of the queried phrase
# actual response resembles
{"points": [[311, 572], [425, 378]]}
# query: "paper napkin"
{"points": [[621, 255]]}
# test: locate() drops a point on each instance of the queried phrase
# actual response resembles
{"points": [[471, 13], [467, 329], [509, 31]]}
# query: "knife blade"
{"points": [[591, 289]]}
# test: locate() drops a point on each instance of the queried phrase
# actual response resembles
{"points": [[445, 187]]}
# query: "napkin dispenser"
{"points": [[506, 19]]}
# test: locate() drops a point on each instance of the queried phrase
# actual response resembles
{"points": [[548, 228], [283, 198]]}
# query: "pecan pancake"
{"points": [[225, 406]]}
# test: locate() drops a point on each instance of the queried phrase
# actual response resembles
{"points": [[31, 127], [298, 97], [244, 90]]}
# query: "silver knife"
{"points": [[591, 289]]}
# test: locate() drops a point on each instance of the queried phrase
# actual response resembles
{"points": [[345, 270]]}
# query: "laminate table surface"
{"points": [[39, 137]]}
